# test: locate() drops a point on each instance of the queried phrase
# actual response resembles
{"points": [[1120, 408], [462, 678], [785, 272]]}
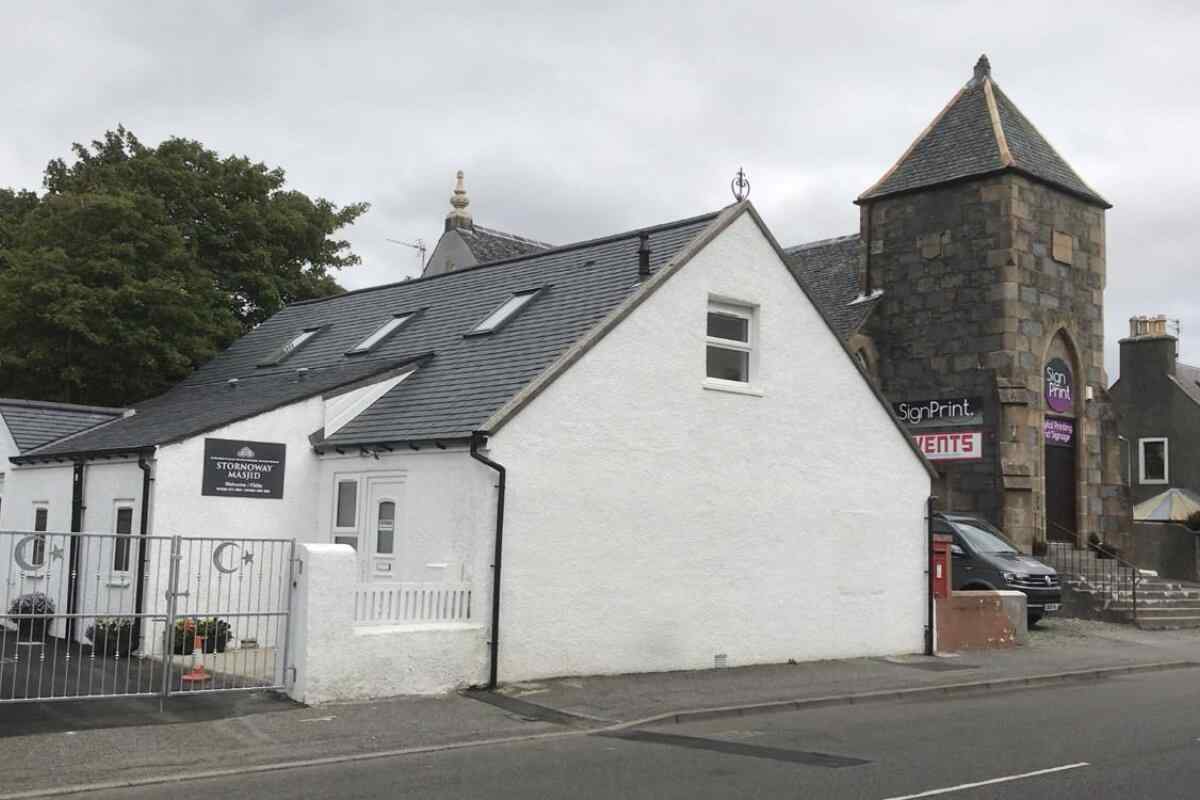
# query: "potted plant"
{"points": [[215, 635], [112, 636], [32, 628]]}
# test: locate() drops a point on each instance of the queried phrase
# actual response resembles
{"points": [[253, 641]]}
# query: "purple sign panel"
{"points": [[1058, 386], [1059, 432]]}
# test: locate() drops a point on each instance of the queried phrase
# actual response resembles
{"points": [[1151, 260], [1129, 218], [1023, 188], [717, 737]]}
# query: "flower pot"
{"points": [[33, 630], [115, 642]]}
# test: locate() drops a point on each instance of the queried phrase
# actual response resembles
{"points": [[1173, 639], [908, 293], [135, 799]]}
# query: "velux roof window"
{"points": [[505, 312], [386, 330], [294, 344]]}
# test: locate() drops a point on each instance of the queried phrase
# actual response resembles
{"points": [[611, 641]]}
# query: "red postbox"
{"points": [[941, 565]]}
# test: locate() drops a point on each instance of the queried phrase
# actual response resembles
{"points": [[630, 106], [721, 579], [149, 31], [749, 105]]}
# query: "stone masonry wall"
{"points": [[979, 277]]}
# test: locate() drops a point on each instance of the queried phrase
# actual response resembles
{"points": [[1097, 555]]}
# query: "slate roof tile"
{"points": [[963, 141], [454, 391], [34, 423], [828, 269], [487, 244]]}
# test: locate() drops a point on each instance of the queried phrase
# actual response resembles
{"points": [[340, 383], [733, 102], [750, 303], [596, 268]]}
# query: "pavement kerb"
{"points": [[670, 717], [943, 689]]}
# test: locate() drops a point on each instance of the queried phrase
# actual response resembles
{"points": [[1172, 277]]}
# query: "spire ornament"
{"points": [[740, 186], [459, 216]]}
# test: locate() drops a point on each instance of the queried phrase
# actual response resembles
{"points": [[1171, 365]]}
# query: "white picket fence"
{"points": [[399, 603]]}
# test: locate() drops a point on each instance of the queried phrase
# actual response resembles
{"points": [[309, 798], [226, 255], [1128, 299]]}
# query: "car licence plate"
{"points": [[1051, 606]]}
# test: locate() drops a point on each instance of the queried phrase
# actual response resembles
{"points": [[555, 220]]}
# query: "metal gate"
{"points": [[89, 615]]}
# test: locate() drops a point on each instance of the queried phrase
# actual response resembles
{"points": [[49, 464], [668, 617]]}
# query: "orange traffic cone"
{"points": [[198, 672]]}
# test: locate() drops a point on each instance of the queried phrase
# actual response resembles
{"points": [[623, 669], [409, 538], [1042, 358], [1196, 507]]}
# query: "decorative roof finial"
{"points": [[740, 185], [983, 68], [459, 216]]}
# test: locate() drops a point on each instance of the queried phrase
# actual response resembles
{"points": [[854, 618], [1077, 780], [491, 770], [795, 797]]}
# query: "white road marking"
{"points": [[977, 784]]}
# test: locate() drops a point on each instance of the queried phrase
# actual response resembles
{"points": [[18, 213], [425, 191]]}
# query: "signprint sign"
{"points": [[234, 468], [1059, 431], [1058, 386], [960, 446], [943, 411]]}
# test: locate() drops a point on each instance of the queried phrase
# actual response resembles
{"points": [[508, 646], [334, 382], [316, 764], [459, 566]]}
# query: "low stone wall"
{"points": [[1169, 548], [980, 621], [337, 660]]}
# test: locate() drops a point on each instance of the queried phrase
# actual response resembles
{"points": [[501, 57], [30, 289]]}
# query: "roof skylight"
{"points": [[294, 344], [505, 312], [378, 336]]}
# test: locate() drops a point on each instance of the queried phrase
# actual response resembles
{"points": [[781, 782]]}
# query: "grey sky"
{"points": [[579, 122]]}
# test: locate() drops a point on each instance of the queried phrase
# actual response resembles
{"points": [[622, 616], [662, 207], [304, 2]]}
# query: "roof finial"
{"points": [[983, 68], [459, 217], [740, 186]]}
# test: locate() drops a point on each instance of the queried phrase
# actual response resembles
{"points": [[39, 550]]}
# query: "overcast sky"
{"points": [[572, 123]]}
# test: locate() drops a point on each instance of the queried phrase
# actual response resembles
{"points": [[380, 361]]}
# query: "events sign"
{"points": [[234, 468], [939, 412], [1058, 386], [1059, 432], [959, 446]]}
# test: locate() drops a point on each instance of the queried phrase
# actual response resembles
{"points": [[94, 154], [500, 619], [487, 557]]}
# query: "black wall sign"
{"points": [[942, 411], [235, 468]]}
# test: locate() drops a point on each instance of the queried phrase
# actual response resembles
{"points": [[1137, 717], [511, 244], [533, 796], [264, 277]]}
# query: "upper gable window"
{"points": [[294, 344], [505, 312], [731, 341], [378, 336]]}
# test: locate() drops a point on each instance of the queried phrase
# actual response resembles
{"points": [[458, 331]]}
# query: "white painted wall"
{"points": [[653, 524], [337, 661]]}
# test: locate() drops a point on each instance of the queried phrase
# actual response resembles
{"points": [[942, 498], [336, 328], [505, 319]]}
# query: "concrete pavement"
{"points": [[295, 734]]}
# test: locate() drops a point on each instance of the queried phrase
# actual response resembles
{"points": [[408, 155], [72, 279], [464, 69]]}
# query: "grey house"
{"points": [[1158, 399]]}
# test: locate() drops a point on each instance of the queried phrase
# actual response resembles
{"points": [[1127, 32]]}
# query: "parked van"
{"points": [[984, 558]]}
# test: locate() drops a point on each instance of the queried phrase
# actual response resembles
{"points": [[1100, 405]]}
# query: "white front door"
{"points": [[383, 546]]}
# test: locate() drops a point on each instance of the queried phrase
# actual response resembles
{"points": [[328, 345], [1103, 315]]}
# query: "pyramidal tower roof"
{"points": [[980, 131]]}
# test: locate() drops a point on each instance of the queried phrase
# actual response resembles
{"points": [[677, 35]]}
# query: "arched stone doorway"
{"points": [[1061, 433]]}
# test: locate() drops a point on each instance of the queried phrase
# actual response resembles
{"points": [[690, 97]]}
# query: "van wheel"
{"points": [[1034, 619]]}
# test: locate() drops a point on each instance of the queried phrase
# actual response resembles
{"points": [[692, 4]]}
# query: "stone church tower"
{"points": [[982, 256]]}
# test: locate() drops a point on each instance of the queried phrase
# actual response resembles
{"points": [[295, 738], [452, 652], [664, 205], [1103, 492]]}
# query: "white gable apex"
{"points": [[341, 409]]}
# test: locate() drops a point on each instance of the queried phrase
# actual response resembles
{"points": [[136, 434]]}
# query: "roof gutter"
{"points": [[479, 439], [83, 455]]}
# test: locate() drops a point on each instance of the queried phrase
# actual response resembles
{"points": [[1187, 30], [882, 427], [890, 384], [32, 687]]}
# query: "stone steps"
{"points": [[1162, 603]]}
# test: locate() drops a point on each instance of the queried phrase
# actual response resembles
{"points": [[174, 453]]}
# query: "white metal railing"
{"points": [[398, 603]]}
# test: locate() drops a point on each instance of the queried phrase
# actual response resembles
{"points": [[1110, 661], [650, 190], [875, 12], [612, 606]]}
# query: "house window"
{"points": [[123, 529], [730, 342], [41, 515], [345, 515], [378, 336], [385, 532], [293, 344], [505, 312], [1153, 464]]}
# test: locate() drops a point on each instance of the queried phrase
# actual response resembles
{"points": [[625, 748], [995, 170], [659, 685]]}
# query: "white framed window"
{"points": [[386, 330], [123, 528], [730, 343], [41, 517], [507, 310], [345, 512], [1153, 461]]}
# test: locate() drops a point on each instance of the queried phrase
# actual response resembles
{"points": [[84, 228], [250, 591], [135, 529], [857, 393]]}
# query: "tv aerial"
{"points": [[418, 245]]}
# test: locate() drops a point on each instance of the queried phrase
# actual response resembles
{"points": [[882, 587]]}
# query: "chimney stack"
{"points": [[644, 254], [1150, 349]]}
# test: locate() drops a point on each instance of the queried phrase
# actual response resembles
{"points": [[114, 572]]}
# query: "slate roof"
{"points": [[829, 271], [461, 380], [33, 423], [967, 139], [488, 245], [1188, 378]]}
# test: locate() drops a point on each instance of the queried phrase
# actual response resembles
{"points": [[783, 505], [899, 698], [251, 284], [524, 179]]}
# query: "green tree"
{"points": [[138, 264]]}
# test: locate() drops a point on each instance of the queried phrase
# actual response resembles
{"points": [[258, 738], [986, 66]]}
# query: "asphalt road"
{"points": [[1129, 737]]}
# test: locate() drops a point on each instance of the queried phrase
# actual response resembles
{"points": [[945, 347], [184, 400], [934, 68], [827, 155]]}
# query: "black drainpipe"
{"points": [[143, 527], [929, 573], [477, 440], [73, 549]]}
